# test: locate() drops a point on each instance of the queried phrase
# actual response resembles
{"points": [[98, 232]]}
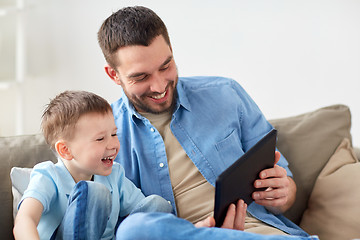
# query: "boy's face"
{"points": [[148, 75], [94, 146]]}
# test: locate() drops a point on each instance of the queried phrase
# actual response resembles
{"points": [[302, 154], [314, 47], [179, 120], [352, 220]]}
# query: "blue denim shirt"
{"points": [[214, 120]]}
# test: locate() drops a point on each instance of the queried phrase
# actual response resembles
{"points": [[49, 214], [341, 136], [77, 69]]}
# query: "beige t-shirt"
{"points": [[194, 196]]}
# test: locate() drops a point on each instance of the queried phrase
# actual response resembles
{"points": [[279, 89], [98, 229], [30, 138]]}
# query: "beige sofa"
{"points": [[317, 145]]}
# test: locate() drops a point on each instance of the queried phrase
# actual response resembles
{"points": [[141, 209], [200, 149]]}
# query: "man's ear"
{"points": [[112, 74], [63, 150]]}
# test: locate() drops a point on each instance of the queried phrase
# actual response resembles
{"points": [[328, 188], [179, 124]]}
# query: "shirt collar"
{"points": [[129, 107], [69, 183], [182, 98], [67, 180]]}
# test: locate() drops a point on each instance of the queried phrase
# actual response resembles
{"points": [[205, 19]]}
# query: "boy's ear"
{"points": [[112, 74], [63, 150]]}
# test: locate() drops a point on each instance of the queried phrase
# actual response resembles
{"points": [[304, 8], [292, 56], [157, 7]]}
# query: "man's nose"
{"points": [[157, 83]]}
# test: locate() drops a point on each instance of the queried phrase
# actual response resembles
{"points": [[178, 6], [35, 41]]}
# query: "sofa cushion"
{"points": [[308, 141], [20, 178], [20, 151], [333, 210]]}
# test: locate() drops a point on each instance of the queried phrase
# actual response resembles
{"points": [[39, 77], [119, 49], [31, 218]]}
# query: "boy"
{"points": [[86, 193]]}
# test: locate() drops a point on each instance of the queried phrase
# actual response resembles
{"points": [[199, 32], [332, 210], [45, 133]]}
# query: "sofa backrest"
{"points": [[308, 141]]}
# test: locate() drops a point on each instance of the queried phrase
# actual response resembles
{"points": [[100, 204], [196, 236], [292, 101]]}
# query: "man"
{"points": [[179, 134]]}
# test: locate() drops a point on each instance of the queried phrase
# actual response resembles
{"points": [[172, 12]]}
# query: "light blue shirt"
{"points": [[51, 184], [214, 120]]}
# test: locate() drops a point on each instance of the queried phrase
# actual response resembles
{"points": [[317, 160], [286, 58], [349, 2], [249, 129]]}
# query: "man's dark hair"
{"points": [[129, 26]]}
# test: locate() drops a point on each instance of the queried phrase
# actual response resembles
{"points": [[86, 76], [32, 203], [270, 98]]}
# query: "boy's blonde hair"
{"points": [[63, 112]]}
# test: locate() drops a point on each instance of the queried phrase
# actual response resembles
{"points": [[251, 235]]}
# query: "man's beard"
{"points": [[140, 105], [143, 107]]}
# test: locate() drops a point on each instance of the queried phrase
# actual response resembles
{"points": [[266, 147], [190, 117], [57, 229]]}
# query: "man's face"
{"points": [[148, 75]]}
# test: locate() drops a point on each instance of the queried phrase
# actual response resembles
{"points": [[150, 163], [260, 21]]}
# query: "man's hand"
{"points": [[235, 217], [280, 189]]}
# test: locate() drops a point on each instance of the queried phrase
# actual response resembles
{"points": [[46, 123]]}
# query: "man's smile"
{"points": [[159, 96]]}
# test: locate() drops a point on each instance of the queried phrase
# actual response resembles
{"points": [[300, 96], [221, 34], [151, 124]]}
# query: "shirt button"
{"points": [[161, 164], [152, 129], [169, 202]]}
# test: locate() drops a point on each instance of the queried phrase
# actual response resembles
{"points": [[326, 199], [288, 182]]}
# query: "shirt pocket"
{"points": [[230, 148]]}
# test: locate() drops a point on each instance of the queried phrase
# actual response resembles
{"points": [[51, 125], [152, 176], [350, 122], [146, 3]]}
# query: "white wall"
{"points": [[291, 56]]}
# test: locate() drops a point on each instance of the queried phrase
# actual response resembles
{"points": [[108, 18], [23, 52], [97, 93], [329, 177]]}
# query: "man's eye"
{"points": [[140, 78], [164, 68], [113, 135], [99, 139]]}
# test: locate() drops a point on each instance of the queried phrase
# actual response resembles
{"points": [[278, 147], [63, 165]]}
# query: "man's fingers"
{"points": [[275, 172], [230, 217], [208, 222], [239, 222], [235, 216]]}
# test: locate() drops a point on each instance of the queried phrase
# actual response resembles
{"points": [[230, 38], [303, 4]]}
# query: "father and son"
{"points": [[171, 136]]}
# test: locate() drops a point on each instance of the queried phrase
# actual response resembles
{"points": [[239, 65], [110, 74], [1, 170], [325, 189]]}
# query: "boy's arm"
{"points": [[27, 219]]}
